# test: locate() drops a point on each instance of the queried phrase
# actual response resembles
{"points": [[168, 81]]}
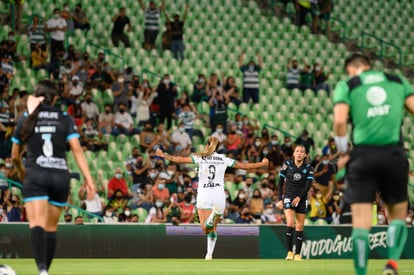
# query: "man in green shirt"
{"points": [[374, 103]]}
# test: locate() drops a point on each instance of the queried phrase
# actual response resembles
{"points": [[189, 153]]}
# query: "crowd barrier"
{"points": [[187, 241]]}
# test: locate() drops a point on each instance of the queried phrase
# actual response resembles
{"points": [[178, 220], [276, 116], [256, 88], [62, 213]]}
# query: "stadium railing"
{"points": [[382, 43]]}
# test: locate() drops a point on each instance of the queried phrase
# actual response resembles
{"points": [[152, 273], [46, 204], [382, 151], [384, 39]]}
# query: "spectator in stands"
{"points": [[218, 108], [167, 36], [187, 209], [287, 148], [222, 138], [7, 66], [118, 202], [107, 120], [265, 191], [317, 202], [4, 82], [72, 89], [90, 108], [320, 80], [109, 215], [173, 211], [120, 21], [306, 141], [302, 7], [164, 139], [156, 213], [152, 16], [39, 57], [142, 198], [118, 182], [11, 45], [95, 205], [125, 216], [79, 220], [245, 216], [76, 112], [159, 190], [120, 91], [230, 88], [36, 32], [251, 81], [14, 209], [276, 157], [139, 171], [167, 94], [68, 217], [293, 74], [330, 149], [146, 96], [124, 124], [102, 79], [147, 137], [57, 27], [199, 89], [234, 141], [325, 177], [307, 79], [80, 19], [181, 141], [240, 201], [21, 104], [269, 216], [67, 15], [256, 204], [177, 39], [187, 117], [325, 9]]}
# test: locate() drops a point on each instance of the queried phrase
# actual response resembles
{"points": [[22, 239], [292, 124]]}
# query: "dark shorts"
{"points": [[52, 186], [150, 36], [301, 208], [374, 169]]}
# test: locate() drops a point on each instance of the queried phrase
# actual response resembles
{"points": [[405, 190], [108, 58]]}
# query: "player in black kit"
{"points": [[45, 130], [298, 177]]}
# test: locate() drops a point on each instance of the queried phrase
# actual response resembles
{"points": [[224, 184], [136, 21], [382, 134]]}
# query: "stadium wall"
{"points": [[187, 241]]}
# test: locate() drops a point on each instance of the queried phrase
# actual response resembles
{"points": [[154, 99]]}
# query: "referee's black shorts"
{"points": [[46, 184], [377, 168]]}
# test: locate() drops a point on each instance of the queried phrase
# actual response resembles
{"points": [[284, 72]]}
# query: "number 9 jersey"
{"points": [[211, 170]]}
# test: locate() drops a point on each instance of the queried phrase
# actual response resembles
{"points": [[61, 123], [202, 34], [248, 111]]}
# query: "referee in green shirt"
{"points": [[373, 101]]}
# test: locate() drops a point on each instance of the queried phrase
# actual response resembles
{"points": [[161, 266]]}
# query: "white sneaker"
{"points": [[43, 272], [209, 257]]}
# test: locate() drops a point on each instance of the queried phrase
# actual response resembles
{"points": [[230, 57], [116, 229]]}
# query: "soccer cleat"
{"points": [[43, 272], [217, 214], [297, 257], [390, 268], [209, 257], [289, 256]]}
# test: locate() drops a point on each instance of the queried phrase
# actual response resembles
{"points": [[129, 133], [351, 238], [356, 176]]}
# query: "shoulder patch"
{"points": [[393, 78], [354, 83]]}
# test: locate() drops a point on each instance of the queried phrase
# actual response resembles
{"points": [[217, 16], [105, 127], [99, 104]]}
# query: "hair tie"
{"points": [[33, 102]]}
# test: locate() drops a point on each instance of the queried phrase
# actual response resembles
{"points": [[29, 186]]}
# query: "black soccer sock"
{"points": [[50, 238], [38, 246], [289, 238], [299, 240]]}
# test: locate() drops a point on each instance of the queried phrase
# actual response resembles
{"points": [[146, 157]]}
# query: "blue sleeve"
{"points": [[71, 129]]}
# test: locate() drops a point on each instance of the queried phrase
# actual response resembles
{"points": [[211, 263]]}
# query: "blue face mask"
{"points": [[251, 68], [161, 186]]}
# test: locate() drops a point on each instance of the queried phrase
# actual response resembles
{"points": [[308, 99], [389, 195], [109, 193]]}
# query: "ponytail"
{"points": [[49, 91], [212, 146]]}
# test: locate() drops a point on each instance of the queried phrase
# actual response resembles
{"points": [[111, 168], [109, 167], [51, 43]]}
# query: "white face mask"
{"points": [[108, 214], [153, 175], [161, 186], [257, 143], [171, 173], [227, 196], [166, 81], [127, 213], [181, 129], [118, 175], [269, 211], [158, 204], [219, 130], [265, 152], [1, 212], [318, 196], [242, 196], [275, 142], [9, 165], [325, 162]]}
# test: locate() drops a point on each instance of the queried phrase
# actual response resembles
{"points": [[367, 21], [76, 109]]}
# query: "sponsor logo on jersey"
{"points": [[211, 185], [376, 96], [297, 177]]}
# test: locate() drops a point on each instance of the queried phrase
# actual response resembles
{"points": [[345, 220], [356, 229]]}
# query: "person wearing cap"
{"points": [[151, 23], [177, 35], [120, 21], [251, 80], [57, 27]]}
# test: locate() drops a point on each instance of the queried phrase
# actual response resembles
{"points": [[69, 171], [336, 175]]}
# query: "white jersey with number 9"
{"points": [[211, 170]]}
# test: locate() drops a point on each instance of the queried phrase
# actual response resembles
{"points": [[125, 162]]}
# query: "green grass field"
{"points": [[191, 266]]}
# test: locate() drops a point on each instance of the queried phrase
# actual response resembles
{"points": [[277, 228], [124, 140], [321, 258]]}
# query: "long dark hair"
{"points": [[49, 91]]}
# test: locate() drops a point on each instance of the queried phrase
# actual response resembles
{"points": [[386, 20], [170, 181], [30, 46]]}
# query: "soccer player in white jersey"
{"points": [[211, 199]]}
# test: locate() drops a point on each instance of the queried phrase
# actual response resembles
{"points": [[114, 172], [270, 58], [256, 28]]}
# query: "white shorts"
{"points": [[208, 201]]}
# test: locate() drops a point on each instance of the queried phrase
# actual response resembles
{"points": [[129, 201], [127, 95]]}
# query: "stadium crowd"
{"points": [[140, 187]]}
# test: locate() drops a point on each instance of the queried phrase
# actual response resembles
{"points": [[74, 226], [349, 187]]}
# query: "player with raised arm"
{"points": [[211, 199]]}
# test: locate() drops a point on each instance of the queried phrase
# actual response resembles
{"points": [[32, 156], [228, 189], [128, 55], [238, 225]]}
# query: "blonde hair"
{"points": [[212, 145]]}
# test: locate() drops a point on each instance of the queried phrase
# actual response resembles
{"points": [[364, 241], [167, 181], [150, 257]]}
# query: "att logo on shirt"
{"points": [[376, 97]]}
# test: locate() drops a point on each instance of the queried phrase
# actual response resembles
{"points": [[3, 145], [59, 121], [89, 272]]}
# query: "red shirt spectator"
{"points": [[117, 182]]}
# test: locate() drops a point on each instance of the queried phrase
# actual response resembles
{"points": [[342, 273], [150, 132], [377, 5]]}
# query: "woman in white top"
{"points": [[211, 199]]}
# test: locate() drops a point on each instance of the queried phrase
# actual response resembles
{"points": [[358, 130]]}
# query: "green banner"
{"points": [[327, 242]]}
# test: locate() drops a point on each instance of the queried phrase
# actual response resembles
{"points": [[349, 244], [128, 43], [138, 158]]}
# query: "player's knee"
{"points": [[299, 227]]}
